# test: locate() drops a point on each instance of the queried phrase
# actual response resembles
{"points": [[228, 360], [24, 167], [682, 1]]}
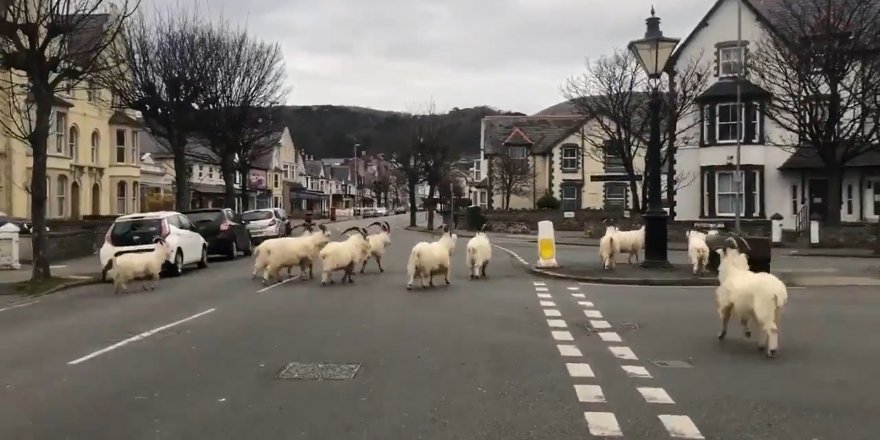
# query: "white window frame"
{"points": [[757, 122], [210, 173], [121, 198], [61, 195], [201, 171], [622, 200], [563, 198], [135, 147], [276, 180], [95, 144], [795, 199], [73, 142], [573, 157], [727, 57], [848, 198], [742, 183], [60, 132], [523, 150], [123, 148]]}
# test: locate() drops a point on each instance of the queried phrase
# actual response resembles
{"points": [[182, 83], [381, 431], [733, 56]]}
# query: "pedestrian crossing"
{"points": [[587, 381]]}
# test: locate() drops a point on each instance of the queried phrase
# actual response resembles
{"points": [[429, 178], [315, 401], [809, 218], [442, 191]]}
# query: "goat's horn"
{"points": [[483, 228], [387, 226], [322, 228], [353, 228], [743, 240], [731, 243], [375, 223]]}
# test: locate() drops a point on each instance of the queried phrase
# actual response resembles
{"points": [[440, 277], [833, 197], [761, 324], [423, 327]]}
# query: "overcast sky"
{"points": [[399, 54]]}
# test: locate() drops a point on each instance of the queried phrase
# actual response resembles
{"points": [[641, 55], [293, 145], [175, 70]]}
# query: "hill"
{"points": [[332, 131]]}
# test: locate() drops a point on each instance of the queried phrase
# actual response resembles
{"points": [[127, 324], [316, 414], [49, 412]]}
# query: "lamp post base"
{"points": [[656, 239]]}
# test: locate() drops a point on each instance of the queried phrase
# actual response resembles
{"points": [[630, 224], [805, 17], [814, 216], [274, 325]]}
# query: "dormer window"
{"points": [[517, 152], [730, 58]]}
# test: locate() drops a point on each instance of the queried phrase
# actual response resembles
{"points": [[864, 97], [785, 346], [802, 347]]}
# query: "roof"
{"points": [[262, 157], [56, 101], [542, 132], [314, 168], [806, 158], [726, 88], [121, 118], [340, 172]]}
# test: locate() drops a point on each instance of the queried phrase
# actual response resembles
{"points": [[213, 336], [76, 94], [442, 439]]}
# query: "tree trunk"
{"points": [[429, 205], [244, 189], [411, 186], [634, 190], [39, 237], [227, 168], [507, 195], [877, 239], [181, 177], [835, 188]]}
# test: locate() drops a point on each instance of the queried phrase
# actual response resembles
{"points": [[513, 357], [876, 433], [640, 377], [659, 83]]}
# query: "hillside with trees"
{"points": [[331, 131]]}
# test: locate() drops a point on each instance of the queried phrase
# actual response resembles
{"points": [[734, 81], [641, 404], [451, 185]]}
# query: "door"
{"points": [[74, 201], [818, 190], [192, 251], [96, 199]]}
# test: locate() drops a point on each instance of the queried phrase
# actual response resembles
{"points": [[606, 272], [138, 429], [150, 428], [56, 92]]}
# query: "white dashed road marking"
{"points": [[579, 370], [680, 427], [593, 313], [599, 325], [541, 289], [655, 395], [548, 304], [585, 304], [557, 323], [603, 424], [552, 313], [589, 393], [568, 350], [278, 283], [578, 295], [573, 288], [636, 371], [545, 295], [561, 335], [610, 336], [539, 283], [623, 353], [18, 306]]}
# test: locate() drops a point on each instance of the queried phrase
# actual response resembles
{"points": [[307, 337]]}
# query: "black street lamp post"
{"points": [[653, 53]]}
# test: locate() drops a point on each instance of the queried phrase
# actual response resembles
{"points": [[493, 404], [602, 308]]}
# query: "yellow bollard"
{"points": [[546, 245]]}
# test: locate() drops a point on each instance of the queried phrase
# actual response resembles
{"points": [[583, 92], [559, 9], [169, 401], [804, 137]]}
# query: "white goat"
{"points": [[299, 251], [378, 242], [630, 242], [609, 248], [431, 259], [479, 252], [130, 266], [344, 255], [263, 250], [698, 250], [749, 295]]}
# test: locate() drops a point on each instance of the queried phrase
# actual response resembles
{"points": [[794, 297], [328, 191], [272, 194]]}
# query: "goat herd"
{"points": [[749, 296]]}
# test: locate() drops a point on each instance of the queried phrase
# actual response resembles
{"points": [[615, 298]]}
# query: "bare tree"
{"points": [[435, 156], [822, 64], [169, 62], [238, 107], [48, 46], [513, 175], [401, 139], [613, 95]]}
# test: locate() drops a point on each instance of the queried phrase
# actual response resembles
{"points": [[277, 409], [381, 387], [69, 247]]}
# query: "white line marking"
{"points": [[548, 304], [562, 335], [598, 325], [610, 336], [539, 283], [552, 313], [589, 393], [557, 323], [567, 350], [573, 288], [668, 287], [603, 424], [623, 353], [545, 295], [541, 289], [593, 313], [579, 370], [57, 266], [680, 426], [655, 395], [278, 284], [18, 306], [585, 303], [578, 295], [138, 337], [636, 371]]}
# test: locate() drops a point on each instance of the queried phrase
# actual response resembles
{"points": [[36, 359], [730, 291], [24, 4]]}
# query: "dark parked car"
{"points": [[219, 227]]}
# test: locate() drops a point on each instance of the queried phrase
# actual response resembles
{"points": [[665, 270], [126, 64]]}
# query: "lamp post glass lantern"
{"points": [[653, 53]]}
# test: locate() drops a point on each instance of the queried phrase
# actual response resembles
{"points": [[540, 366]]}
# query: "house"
{"points": [[773, 178], [554, 143], [92, 168]]}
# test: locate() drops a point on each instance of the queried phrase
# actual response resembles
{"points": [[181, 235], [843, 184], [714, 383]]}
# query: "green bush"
{"points": [[547, 201]]}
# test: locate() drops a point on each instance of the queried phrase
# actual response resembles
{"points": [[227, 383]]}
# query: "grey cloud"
{"points": [[511, 54]]}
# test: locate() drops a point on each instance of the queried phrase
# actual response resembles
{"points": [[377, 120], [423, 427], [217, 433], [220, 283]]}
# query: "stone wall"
{"points": [[63, 245], [852, 235]]}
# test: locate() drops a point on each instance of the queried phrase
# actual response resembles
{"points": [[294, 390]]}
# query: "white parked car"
{"points": [[136, 232], [381, 211], [265, 223]]}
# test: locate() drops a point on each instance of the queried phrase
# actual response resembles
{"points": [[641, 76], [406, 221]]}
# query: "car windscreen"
{"points": [[135, 232], [205, 216], [256, 215]]}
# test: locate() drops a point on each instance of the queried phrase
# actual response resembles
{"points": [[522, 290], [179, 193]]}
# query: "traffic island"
{"points": [[625, 274]]}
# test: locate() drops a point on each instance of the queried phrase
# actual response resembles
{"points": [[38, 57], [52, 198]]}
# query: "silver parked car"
{"points": [[263, 224]]}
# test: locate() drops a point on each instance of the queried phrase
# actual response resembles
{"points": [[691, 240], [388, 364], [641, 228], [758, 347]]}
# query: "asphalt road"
{"points": [[198, 359]]}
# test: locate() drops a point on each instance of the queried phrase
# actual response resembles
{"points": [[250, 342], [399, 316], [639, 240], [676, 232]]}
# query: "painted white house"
{"points": [[773, 179]]}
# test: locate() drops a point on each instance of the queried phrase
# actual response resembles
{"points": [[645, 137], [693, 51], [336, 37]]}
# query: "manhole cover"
{"points": [[319, 371], [627, 327], [672, 364]]}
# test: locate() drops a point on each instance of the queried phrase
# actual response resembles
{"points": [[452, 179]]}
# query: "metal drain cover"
{"points": [[318, 371], [672, 364]]}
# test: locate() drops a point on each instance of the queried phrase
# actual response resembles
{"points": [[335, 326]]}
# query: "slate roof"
{"points": [[726, 88], [121, 118], [314, 167], [542, 132], [806, 158]]}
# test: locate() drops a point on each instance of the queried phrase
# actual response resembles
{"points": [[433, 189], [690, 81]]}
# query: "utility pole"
{"points": [[356, 183], [741, 116], [451, 205]]}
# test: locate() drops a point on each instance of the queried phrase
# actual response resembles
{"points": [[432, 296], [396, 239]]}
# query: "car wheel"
{"points": [[176, 269], [233, 250], [203, 262], [249, 250]]}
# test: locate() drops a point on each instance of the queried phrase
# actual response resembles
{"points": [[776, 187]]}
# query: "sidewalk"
{"points": [[77, 270]]}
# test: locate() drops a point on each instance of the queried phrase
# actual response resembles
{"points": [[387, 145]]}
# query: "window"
{"points": [[96, 142], [135, 147], [569, 158], [60, 194], [91, 91], [120, 146], [849, 199], [60, 129], [120, 198], [726, 193], [795, 204], [74, 143], [613, 157], [276, 180], [517, 152], [237, 178], [210, 172], [478, 172], [276, 202], [135, 190], [569, 198], [286, 171], [615, 195], [201, 172], [729, 60], [726, 122], [482, 198]]}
